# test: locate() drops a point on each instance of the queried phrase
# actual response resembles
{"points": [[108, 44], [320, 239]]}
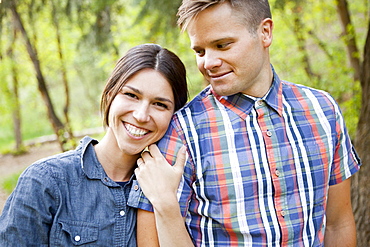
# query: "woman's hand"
{"points": [[158, 179]]}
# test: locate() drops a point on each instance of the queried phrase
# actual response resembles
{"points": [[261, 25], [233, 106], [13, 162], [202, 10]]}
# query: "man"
{"points": [[269, 161]]}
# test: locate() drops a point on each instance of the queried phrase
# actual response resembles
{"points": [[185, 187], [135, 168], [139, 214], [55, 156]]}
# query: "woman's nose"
{"points": [[141, 114]]}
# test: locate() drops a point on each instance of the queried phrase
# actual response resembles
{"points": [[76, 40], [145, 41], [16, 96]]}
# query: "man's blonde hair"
{"points": [[252, 12]]}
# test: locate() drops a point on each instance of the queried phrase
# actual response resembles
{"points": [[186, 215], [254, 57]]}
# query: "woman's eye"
{"points": [[161, 105], [131, 95]]}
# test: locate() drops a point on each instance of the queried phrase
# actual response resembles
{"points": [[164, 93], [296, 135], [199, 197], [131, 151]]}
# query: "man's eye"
{"points": [[200, 52], [222, 46]]}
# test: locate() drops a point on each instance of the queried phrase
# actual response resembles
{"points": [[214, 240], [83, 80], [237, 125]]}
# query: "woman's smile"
{"points": [[135, 131]]}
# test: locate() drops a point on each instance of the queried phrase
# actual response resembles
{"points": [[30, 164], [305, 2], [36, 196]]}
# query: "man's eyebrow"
{"points": [[220, 40], [212, 42], [156, 98], [195, 47]]}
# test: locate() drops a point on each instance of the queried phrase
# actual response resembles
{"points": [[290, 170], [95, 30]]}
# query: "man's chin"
{"points": [[223, 91]]}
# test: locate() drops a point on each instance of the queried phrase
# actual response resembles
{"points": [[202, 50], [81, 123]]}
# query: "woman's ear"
{"points": [[267, 26]]}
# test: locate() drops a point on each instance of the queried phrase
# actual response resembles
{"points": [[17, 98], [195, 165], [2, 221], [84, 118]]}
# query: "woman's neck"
{"points": [[118, 165]]}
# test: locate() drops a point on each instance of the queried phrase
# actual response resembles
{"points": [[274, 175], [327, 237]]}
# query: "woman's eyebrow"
{"points": [[133, 89], [156, 98]]}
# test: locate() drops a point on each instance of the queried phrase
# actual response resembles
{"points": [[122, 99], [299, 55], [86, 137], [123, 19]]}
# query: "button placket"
{"points": [[283, 213], [277, 173], [269, 133]]}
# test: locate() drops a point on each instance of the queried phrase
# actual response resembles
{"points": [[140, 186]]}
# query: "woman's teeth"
{"points": [[135, 131]]}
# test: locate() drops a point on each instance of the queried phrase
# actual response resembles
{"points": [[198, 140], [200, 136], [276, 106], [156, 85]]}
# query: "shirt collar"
{"points": [[91, 165], [89, 162], [275, 97], [242, 104]]}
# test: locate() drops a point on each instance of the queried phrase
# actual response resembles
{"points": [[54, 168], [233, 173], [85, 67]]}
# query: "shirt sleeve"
{"points": [[346, 161], [169, 145], [28, 213]]}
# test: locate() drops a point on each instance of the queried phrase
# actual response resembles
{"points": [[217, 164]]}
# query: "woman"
{"points": [[80, 197]]}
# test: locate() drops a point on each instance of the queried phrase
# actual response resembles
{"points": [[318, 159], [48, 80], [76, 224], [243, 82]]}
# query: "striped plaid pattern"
{"points": [[258, 170]]}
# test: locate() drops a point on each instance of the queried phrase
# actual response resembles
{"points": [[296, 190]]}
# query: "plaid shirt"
{"points": [[258, 171]]}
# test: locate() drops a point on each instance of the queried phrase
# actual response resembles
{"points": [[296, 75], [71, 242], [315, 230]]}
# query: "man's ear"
{"points": [[266, 28]]}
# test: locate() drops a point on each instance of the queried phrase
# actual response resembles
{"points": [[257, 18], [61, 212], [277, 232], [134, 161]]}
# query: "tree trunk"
{"points": [[361, 181], [57, 125], [16, 105], [350, 38], [64, 73]]}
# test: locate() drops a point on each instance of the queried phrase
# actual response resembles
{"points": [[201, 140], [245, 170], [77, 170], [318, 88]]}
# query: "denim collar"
{"points": [[90, 163]]}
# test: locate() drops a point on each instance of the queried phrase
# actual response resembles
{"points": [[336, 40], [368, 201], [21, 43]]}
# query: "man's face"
{"points": [[230, 57]]}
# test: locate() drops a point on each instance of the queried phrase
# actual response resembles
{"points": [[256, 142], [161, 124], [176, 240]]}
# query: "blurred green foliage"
{"points": [[94, 34], [8, 184]]}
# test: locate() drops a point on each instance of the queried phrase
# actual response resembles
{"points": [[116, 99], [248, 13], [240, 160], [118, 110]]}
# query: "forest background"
{"points": [[55, 56]]}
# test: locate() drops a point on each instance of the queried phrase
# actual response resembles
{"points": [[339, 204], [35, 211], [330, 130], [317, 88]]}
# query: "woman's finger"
{"points": [[181, 158], [146, 156], [154, 151], [139, 162]]}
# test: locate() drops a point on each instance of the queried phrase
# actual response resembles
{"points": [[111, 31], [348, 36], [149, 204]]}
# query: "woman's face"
{"points": [[140, 113]]}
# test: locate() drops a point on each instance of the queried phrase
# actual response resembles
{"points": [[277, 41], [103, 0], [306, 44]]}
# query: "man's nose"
{"points": [[211, 60]]}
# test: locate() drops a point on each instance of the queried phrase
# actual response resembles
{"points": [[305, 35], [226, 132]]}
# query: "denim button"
{"points": [[77, 238], [122, 213]]}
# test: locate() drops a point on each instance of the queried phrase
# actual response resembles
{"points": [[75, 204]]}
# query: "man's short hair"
{"points": [[252, 12]]}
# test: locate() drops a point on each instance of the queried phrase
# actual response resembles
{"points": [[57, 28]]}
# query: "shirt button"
{"points": [[269, 133], [122, 213], [260, 102], [106, 179], [277, 173], [136, 187], [77, 238], [282, 213]]}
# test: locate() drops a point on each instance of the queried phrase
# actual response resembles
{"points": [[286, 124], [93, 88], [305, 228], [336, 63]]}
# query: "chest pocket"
{"points": [[78, 233]]}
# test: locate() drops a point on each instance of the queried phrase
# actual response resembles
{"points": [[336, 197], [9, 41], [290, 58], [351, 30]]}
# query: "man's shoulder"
{"points": [[198, 102], [300, 89], [194, 111], [302, 96]]}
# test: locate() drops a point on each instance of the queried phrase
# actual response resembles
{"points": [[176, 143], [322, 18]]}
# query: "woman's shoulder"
{"points": [[66, 166], [54, 165], [63, 162]]}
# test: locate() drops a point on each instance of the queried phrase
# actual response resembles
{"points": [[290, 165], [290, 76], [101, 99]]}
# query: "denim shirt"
{"points": [[68, 200]]}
